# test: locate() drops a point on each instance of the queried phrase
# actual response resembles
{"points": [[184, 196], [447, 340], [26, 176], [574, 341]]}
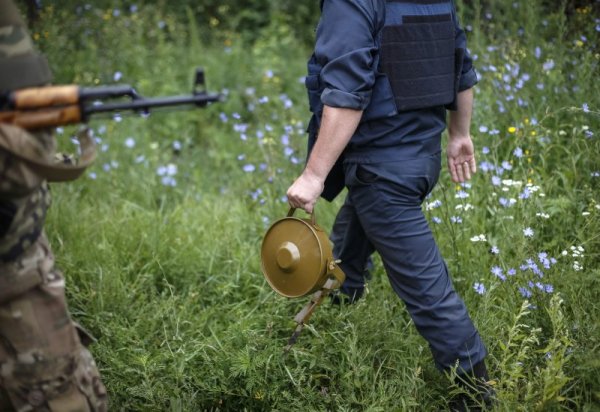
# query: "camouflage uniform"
{"points": [[43, 364]]}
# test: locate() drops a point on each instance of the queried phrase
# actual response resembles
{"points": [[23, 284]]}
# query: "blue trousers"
{"points": [[382, 213]]}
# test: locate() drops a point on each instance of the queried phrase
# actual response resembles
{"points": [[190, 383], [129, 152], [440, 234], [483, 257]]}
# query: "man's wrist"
{"points": [[315, 175], [458, 136]]}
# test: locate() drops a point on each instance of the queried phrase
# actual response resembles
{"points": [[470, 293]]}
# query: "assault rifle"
{"points": [[53, 106]]}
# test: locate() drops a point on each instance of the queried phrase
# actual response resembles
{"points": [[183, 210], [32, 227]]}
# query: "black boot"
{"points": [[478, 394]]}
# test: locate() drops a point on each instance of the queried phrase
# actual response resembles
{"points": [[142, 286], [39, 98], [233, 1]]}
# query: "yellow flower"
{"points": [[533, 133], [512, 129], [579, 43]]}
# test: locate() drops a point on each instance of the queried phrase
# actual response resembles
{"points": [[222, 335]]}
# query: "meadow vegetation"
{"points": [[160, 239]]}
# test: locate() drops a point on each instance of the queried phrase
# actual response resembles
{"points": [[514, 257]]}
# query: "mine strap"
{"points": [[61, 171]]}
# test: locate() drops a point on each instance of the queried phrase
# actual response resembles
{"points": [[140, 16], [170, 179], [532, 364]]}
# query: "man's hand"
{"points": [[460, 153], [337, 127], [461, 158], [305, 191]]}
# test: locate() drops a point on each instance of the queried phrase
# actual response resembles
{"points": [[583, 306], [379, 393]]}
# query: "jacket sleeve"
{"points": [[346, 48], [468, 77]]}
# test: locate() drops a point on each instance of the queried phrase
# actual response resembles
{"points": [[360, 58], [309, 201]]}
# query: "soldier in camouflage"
{"points": [[43, 363]]}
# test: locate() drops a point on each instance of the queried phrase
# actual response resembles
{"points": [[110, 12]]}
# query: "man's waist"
{"points": [[402, 151]]}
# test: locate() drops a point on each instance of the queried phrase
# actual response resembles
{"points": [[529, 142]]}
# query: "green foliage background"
{"points": [[168, 276]]}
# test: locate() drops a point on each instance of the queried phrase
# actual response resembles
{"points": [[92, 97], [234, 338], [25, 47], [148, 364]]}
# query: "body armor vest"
{"points": [[418, 65]]}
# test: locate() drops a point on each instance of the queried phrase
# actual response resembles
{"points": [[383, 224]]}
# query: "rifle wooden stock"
{"points": [[52, 106], [44, 97], [43, 118]]}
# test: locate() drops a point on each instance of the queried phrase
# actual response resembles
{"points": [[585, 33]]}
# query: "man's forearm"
{"points": [[337, 127], [460, 120]]}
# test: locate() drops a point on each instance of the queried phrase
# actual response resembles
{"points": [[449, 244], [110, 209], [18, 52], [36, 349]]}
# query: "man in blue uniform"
{"points": [[380, 80]]}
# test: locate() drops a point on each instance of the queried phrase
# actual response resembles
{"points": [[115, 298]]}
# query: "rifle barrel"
{"points": [[145, 105]]}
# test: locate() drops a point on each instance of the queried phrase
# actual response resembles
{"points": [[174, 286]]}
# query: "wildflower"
{"points": [[223, 117], [548, 288], [486, 166], [511, 272], [528, 232], [456, 219], [465, 207], [495, 250], [526, 293], [512, 129], [130, 142], [433, 205], [177, 145], [586, 108], [263, 100], [543, 215], [483, 129], [288, 151], [485, 150], [461, 194], [525, 194], [479, 288], [169, 181], [496, 181], [497, 271], [479, 238], [518, 152], [240, 127], [249, 168], [92, 175], [117, 76], [548, 65]]}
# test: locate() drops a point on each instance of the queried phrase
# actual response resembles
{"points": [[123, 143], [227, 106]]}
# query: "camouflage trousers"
{"points": [[43, 364]]}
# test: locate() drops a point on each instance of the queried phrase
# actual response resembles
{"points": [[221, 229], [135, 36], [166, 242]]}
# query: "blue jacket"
{"points": [[401, 62]]}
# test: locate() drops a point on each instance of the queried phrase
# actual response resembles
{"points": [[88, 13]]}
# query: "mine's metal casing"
{"points": [[296, 257]]}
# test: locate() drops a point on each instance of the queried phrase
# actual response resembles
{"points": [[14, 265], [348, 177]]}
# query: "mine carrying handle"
{"points": [[53, 106], [313, 219]]}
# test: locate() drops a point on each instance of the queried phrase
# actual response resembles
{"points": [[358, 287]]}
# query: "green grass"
{"points": [[168, 277]]}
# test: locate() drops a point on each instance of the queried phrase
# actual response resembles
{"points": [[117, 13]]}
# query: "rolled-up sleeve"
{"points": [[468, 77], [346, 48]]}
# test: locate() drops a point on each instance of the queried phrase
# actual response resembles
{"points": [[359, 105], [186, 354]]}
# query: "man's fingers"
{"points": [[460, 173], [467, 170], [452, 169]]}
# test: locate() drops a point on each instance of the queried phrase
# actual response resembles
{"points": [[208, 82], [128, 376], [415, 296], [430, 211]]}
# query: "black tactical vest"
{"points": [[418, 65]]}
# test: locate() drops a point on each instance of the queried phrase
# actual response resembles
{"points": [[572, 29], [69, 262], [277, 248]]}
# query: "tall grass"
{"points": [[160, 240]]}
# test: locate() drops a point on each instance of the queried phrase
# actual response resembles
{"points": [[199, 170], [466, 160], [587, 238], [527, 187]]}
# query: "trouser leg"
{"points": [[391, 216], [43, 365], [353, 248]]}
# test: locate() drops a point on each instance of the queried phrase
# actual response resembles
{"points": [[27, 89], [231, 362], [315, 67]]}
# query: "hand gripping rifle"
{"points": [[53, 106]]}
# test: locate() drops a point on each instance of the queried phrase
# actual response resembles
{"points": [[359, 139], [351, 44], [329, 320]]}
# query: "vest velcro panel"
{"points": [[418, 56]]}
